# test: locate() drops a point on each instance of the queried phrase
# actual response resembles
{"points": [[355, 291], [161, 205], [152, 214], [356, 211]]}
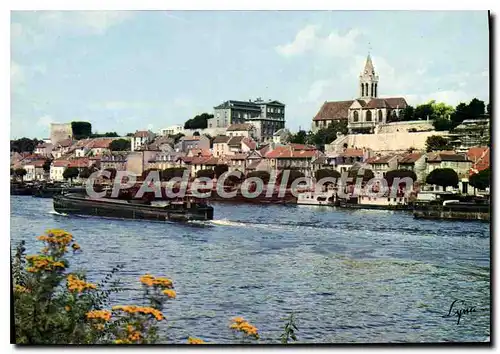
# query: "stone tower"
{"points": [[368, 81]]}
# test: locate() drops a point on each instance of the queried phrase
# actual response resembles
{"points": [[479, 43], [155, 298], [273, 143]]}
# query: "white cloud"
{"points": [[17, 73], [98, 22], [307, 40]]}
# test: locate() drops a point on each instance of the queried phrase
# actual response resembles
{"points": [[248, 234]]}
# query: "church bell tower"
{"points": [[368, 81]]}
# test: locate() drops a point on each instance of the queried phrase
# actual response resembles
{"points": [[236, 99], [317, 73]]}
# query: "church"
{"points": [[366, 113]]}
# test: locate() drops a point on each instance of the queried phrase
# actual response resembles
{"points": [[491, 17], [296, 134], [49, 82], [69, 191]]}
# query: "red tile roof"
{"points": [[60, 163], [249, 142], [201, 152], [302, 147], [220, 139], [410, 158], [100, 143], [83, 162], [350, 152], [141, 134], [380, 159], [37, 163], [286, 152], [334, 110], [480, 157]]}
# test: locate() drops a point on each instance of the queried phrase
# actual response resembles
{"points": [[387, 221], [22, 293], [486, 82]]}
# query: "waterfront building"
{"points": [[34, 171], [114, 160], [380, 165], [293, 156], [416, 162], [345, 160], [57, 169], [458, 162], [365, 113]]}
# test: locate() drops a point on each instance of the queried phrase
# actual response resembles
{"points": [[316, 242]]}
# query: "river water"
{"points": [[349, 276]]}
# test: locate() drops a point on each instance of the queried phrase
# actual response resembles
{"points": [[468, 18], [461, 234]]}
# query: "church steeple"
{"points": [[368, 81]]}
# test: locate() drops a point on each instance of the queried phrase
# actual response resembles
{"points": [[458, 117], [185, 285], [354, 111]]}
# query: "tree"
{"points": [[130, 134], [476, 108], [424, 110], [205, 173], [481, 180], [323, 173], [105, 135], [442, 124], [81, 130], [299, 138], [120, 145], [444, 177], [70, 173], [220, 169], [389, 176], [488, 109], [196, 134], [85, 172], [441, 110], [46, 165], [408, 113], [198, 122], [328, 134], [20, 172], [436, 143], [23, 145]]}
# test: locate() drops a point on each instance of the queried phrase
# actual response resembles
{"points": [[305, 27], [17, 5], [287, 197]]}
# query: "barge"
{"points": [[454, 210], [185, 209]]}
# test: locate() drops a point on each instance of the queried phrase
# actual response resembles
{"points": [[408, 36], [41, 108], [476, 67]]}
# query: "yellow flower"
{"points": [[21, 289], [134, 336], [138, 309], [170, 293], [150, 280], [121, 341], [75, 246], [241, 325], [67, 308], [99, 315], [78, 285], [192, 340]]}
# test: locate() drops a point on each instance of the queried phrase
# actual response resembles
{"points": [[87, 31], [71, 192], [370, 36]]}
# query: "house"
{"points": [[57, 169], [241, 129], [140, 138], [162, 143], [220, 147], [414, 161], [199, 152], [196, 163], [35, 171], [234, 144], [99, 146], [61, 148], [380, 165], [237, 162], [192, 142], [163, 160], [44, 149], [480, 158], [281, 136], [289, 157], [172, 130], [460, 163], [114, 160], [248, 144], [344, 160]]}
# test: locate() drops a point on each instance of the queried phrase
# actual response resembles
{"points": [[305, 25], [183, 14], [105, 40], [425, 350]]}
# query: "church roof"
{"points": [[391, 102], [369, 69], [334, 110]]}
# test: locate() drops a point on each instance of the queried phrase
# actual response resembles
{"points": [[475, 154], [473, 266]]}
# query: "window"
{"points": [[368, 116], [356, 116], [379, 115]]}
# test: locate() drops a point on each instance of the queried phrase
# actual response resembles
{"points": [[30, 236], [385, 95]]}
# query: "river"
{"points": [[349, 276]]}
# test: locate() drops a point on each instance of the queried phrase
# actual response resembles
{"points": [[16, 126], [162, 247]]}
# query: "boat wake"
{"points": [[53, 212], [225, 222]]}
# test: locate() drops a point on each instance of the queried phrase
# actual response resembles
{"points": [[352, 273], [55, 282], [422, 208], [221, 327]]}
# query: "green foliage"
{"points": [[81, 130], [391, 175], [323, 173], [196, 134], [436, 143], [120, 145], [85, 172], [198, 122], [105, 135], [70, 173], [424, 110], [177, 137], [46, 165], [130, 134], [475, 109], [488, 109], [481, 180], [20, 172], [408, 113], [24, 145], [299, 138], [209, 173], [444, 177], [442, 124], [289, 330], [328, 134]]}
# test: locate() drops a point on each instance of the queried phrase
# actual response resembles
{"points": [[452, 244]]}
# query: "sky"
{"points": [[126, 71]]}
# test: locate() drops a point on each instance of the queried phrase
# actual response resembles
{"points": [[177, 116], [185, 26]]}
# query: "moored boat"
{"points": [[185, 209]]}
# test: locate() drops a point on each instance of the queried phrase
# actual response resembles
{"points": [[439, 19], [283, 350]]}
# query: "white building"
{"points": [[140, 138], [172, 130], [57, 169]]}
